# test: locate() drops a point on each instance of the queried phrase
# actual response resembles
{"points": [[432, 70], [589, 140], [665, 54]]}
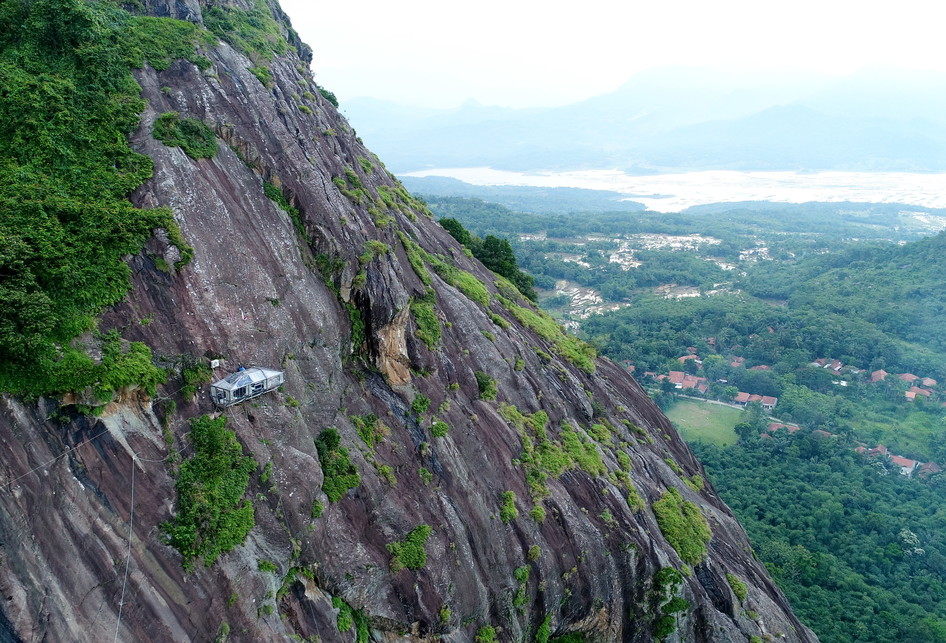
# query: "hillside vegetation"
{"points": [[66, 169], [759, 294]]}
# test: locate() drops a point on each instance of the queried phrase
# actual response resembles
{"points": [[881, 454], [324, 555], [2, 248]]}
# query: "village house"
{"points": [[916, 390], [831, 364], [768, 402], [907, 466], [686, 381], [929, 468], [878, 376], [701, 384]]}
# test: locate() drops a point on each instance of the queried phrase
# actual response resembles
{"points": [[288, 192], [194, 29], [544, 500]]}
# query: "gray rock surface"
{"points": [[76, 566]]}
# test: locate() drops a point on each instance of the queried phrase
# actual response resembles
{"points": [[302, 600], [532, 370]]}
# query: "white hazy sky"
{"points": [[522, 53]]}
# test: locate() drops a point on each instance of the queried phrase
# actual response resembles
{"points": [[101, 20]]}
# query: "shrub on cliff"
{"points": [[410, 552], [212, 515], [191, 135], [339, 473]]}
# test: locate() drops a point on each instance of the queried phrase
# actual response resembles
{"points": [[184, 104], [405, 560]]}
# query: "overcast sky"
{"points": [[522, 53]]}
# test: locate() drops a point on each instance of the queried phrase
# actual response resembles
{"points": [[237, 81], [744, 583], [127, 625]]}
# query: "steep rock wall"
{"points": [[265, 289]]}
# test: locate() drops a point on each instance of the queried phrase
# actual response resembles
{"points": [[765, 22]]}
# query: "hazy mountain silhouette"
{"points": [[684, 119]]}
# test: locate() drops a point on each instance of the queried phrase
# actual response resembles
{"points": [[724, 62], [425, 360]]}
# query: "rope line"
{"points": [[46, 464], [71, 449], [131, 526], [131, 514]]}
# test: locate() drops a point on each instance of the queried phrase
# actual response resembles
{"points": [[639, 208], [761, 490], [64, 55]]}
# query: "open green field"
{"points": [[711, 423]]}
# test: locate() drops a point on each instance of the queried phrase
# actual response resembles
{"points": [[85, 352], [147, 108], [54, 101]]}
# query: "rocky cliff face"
{"points": [[346, 289]]}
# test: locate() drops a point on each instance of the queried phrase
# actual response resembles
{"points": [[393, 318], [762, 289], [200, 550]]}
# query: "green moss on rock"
{"points": [[682, 525], [191, 135], [410, 552]]}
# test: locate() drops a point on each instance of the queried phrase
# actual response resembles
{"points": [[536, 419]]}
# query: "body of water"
{"points": [[675, 192]]}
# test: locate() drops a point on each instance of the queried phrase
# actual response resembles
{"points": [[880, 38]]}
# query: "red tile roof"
{"points": [[677, 377], [878, 376], [929, 468], [928, 381], [692, 381], [741, 398], [908, 377], [904, 463], [920, 391]]}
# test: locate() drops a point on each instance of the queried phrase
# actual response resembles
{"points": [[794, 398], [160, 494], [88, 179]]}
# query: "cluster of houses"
{"points": [[695, 384], [834, 365], [686, 382], [905, 466], [768, 402], [923, 386], [919, 386]]}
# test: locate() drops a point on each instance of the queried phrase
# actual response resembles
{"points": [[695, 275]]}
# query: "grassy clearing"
{"points": [[710, 423]]}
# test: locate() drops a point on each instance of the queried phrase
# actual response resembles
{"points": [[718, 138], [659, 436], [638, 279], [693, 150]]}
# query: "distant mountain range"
{"points": [[675, 118], [521, 198]]}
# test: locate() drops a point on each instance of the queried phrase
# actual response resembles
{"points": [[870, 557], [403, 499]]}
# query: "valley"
{"points": [[829, 317]]}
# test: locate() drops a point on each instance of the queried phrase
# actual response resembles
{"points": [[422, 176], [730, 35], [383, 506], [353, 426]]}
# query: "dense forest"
{"points": [[766, 291], [859, 551]]}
